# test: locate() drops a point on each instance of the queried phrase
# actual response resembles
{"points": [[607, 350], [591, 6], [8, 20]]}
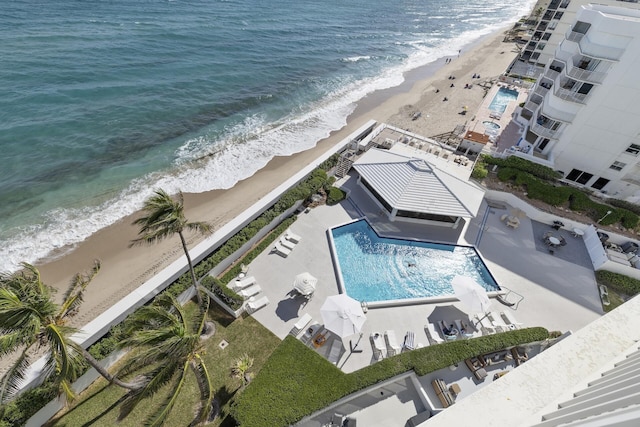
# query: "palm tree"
{"points": [[168, 345], [164, 218], [240, 368], [31, 320]]}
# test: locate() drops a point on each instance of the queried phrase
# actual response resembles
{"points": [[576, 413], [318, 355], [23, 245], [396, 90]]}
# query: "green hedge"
{"points": [[335, 196], [296, 381], [578, 200], [619, 282], [540, 171], [18, 411]]}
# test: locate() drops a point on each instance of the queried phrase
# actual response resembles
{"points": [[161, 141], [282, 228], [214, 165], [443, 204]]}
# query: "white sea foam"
{"points": [[356, 58], [204, 164]]}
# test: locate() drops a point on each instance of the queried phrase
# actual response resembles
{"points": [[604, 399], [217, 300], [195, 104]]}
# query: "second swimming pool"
{"points": [[503, 97], [375, 268]]}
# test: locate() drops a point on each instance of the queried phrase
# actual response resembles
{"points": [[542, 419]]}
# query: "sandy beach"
{"points": [[124, 268]]}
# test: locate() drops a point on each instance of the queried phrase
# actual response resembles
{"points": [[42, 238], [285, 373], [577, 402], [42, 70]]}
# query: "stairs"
{"points": [[344, 163]]}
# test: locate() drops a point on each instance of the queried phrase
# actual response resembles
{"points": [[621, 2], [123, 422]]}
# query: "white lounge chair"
{"points": [[281, 250], [498, 323], [469, 330], [253, 306], [287, 244], [243, 283], [250, 291], [291, 236], [409, 341], [392, 344], [432, 335], [510, 319], [448, 337], [300, 324]]}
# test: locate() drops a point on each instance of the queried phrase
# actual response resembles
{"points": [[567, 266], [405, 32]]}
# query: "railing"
{"points": [[540, 90], [585, 75], [588, 48], [569, 95], [544, 131]]}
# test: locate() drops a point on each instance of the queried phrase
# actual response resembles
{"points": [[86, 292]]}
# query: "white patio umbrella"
{"points": [[342, 315], [305, 283], [471, 294]]}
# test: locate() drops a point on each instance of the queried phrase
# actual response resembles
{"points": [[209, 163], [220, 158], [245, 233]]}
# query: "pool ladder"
{"points": [[365, 306]]}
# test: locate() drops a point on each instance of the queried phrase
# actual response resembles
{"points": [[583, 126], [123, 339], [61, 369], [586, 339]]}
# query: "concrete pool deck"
{"points": [[558, 295]]}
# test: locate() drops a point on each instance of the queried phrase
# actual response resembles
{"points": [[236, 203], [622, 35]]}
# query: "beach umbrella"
{"points": [[471, 294], [305, 283], [342, 315]]}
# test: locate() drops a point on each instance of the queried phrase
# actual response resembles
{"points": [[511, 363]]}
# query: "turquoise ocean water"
{"points": [[102, 101]]}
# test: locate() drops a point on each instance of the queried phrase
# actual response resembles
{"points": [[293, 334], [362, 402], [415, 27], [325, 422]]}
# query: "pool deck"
{"points": [[550, 300]]}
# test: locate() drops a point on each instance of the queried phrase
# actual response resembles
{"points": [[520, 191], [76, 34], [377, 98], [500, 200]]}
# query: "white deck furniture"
{"points": [[291, 236], [482, 321], [391, 343], [335, 351], [287, 243], [281, 250], [243, 283], [432, 334], [300, 325], [250, 291], [377, 342], [255, 305], [510, 319]]}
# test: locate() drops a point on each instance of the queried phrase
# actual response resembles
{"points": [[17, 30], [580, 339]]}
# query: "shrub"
{"points": [[335, 196], [480, 171], [18, 411], [619, 282]]}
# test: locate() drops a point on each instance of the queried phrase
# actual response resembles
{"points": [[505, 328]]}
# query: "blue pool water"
{"points": [[502, 99], [374, 268], [491, 125]]}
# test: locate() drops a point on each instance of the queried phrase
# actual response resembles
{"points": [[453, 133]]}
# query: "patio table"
{"points": [[578, 232], [553, 240]]}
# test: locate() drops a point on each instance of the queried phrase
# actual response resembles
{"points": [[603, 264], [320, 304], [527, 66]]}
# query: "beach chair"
{"points": [[509, 319], [250, 291], [243, 283], [253, 306], [448, 337], [409, 341], [498, 323], [287, 244], [291, 236], [310, 332], [392, 344], [244, 269], [469, 331], [432, 335], [281, 250], [300, 325], [335, 351]]}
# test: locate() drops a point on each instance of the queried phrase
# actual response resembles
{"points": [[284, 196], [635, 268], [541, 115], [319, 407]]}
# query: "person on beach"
{"points": [[445, 99], [452, 85]]}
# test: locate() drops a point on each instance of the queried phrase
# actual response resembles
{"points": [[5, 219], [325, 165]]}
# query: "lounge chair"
{"points": [[466, 330], [409, 341], [287, 244], [291, 236], [508, 317], [281, 250], [243, 283], [310, 332], [453, 335], [250, 291], [498, 323], [392, 345], [432, 335], [244, 269], [300, 325], [253, 306], [604, 295], [335, 351]]}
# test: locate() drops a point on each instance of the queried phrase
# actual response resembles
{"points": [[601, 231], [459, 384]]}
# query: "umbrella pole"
{"points": [[486, 314], [354, 348]]}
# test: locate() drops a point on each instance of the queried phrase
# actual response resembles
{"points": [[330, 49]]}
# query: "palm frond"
{"points": [[158, 418], [200, 227], [13, 378], [68, 362], [22, 313], [204, 309], [73, 297], [155, 379], [13, 341], [206, 390]]}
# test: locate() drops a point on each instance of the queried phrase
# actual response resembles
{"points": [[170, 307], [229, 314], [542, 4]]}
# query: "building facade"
{"points": [[583, 116]]}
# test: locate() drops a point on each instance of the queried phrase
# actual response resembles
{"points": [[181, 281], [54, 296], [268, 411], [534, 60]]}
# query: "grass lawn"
{"points": [[98, 405]]}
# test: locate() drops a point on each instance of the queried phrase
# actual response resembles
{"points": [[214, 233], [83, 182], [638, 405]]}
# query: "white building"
{"points": [[582, 118]]}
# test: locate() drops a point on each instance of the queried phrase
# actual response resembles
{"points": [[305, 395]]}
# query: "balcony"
{"points": [[540, 90], [569, 95], [584, 75], [531, 105], [588, 48], [543, 131], [551, 74]]}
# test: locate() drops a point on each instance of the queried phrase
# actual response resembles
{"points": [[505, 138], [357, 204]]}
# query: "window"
{"points": [[617, 166], [535, 55], [543, 144], [546, 36], [633, 149], [558, 15], [600, 183], [579, 176], [581, 27]]}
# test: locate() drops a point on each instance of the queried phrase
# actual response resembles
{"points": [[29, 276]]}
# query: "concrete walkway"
{"points": [[558, 295]]}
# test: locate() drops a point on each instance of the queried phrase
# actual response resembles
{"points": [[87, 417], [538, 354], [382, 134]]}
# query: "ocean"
{"points": [[103, 101]]}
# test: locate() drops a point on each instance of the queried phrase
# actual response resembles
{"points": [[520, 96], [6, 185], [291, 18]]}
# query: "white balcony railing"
{"points": [[589, 48], [569, 95], [544, 131], [584, 75]]}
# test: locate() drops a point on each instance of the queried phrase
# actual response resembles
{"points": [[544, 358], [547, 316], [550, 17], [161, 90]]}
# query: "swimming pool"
{"points": [[491, 125], [503, 97], [386, 271]]}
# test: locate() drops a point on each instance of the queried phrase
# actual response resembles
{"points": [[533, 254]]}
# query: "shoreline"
{"points": [[124, 269]]}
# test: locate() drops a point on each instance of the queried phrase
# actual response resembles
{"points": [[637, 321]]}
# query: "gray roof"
{"points": [[414, 185]]}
